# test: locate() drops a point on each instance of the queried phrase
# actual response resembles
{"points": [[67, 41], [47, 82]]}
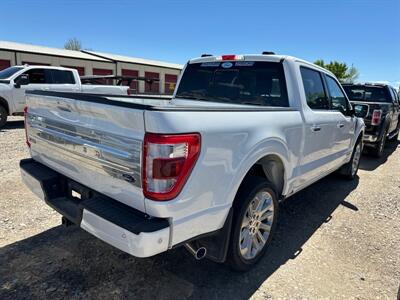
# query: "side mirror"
{"points": [[21, 80], [360, 110]]}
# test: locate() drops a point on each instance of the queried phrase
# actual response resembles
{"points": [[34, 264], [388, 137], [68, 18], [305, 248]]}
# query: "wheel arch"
{"points": [[272, 166], [4, 103], [360, 136]]}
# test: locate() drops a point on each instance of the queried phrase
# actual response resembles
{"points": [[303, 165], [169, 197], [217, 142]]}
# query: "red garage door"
{"points": [[81, 70], [34, 63], [134, 83], [170, 83], [153, 87], [97, 71], [4, 64]]}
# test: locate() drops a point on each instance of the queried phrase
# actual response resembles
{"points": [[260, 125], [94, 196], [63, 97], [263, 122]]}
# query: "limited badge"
{"points": [[227, 65]]}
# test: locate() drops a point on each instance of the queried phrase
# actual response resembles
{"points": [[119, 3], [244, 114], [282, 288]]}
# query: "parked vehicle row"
{"points": [[205, 169], [14, 81], [380, 104]]}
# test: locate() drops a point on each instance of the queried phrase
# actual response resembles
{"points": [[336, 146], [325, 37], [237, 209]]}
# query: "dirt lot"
{"points": [[336, 239]]}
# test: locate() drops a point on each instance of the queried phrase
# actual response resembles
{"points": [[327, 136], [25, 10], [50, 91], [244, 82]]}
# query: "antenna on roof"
{"points": [[268, 53], [206, 55]]}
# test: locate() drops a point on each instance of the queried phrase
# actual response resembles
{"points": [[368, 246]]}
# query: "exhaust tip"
{"points": [[201, 253]]}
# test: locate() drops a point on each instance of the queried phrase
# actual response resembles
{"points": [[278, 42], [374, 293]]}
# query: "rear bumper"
{"points": [[111, 221]]}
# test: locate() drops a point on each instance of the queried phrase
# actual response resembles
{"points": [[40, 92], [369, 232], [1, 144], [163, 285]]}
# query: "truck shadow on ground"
{"points": [[370, 163], [68, 262], [15, 124]]}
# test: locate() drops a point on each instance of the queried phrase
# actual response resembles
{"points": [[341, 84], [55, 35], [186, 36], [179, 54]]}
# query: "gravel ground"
{"points": [[335, 240]]}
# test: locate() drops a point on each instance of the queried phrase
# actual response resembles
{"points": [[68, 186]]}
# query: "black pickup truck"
{"points": [[380, 103]]}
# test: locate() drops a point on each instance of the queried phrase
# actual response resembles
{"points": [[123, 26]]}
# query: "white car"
{"points": [[14, 81], [206, 169]]}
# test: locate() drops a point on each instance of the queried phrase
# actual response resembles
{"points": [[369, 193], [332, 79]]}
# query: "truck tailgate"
{"points": [[95, 143]]}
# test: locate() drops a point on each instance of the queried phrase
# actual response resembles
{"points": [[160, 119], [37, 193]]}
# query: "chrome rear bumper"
{"points": [[115, 223]]}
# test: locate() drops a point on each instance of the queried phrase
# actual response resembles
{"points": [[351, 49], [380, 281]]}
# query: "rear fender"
{"points": [[274, 147]]}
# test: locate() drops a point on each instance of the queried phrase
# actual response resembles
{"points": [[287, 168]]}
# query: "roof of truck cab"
{"points": [[44, 67], [261, 57], [250, 57], [370, 84]]}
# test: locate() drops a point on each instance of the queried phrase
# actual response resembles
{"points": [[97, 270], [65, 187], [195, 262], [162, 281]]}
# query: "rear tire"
{"points": [[3, 116], [254, 222], [349, 170], [378, 149]]}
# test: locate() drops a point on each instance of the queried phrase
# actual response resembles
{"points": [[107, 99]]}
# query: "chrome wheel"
{"points": [[256, 225], [356, 159]]}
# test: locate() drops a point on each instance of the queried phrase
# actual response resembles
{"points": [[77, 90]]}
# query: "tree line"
{"points": [[341, 70]]}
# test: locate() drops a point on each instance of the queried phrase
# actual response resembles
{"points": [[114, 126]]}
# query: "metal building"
{"points": [[94, 63]]}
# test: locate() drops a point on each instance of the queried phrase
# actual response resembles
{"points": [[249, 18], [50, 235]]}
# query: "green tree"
{"points": [[341, 70], [73, 44]]}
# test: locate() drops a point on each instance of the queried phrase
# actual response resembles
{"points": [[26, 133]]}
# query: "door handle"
{"points": [[340, 125], [315, 128]]}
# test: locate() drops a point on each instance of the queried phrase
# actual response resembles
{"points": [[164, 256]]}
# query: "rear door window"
{"points": [[396, 96], [62, 77], [393, 94], [314, 89]]}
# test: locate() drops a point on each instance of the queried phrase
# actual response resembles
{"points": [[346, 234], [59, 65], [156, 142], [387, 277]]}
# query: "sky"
{"points": [[363, 33]]}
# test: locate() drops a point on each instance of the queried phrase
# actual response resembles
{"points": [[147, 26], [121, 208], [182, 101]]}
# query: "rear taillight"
{"points": [[129, 91], [26, 125], [167, 163], [376, 117]]}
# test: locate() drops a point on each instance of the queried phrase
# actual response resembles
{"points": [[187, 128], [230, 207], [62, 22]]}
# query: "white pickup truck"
{"points": [[205, 169], [14, 81]]}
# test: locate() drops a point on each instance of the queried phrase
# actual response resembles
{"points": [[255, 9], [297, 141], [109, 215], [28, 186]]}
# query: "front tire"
{"points": [[3, 116], [254, 223]]}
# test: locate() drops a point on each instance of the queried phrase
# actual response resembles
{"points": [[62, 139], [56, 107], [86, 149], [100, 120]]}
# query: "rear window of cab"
{"points": [[367, 93], [236, 82]]}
